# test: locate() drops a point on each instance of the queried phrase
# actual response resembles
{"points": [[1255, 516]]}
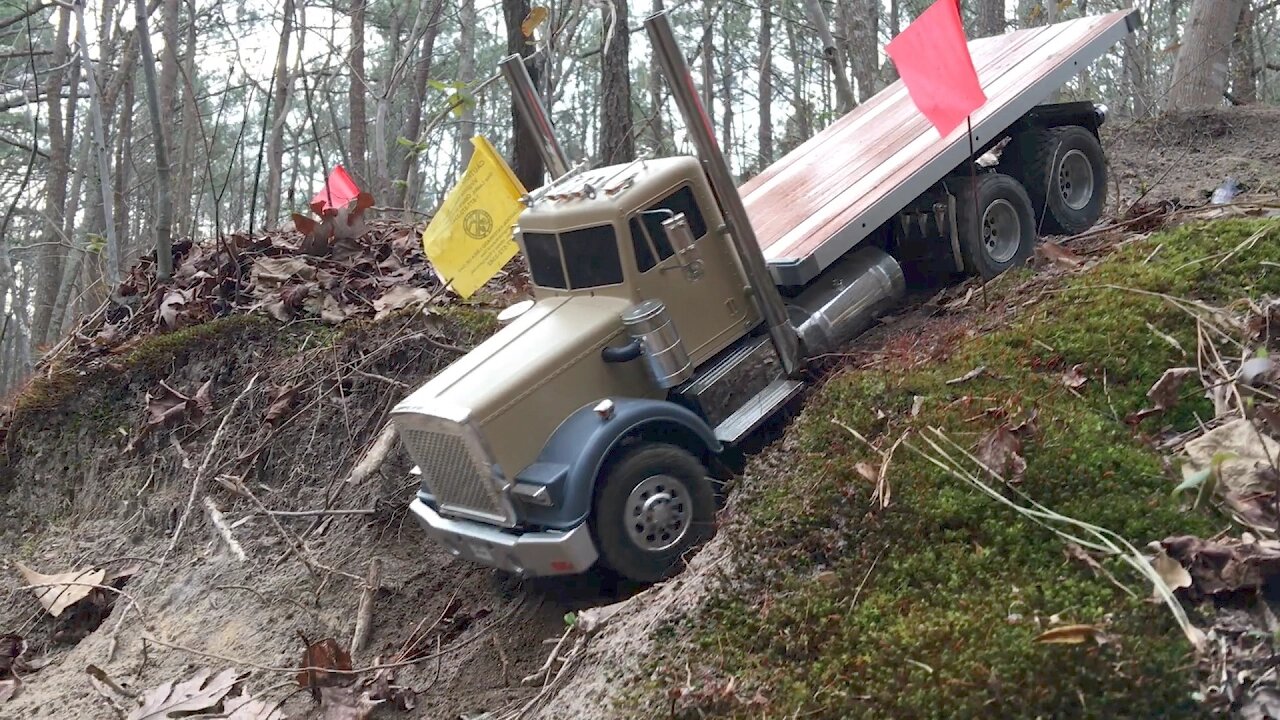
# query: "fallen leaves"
{"points": [[1164, 394], [1074, 378], [1057, 255], [1239, 457], [197, 693], [1000, 450], [58, 592], [282, 399], [1213, 567], [326, 672], [319, 660], [971, 375]]}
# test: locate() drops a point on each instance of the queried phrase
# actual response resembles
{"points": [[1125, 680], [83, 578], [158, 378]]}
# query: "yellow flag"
{"points": [[469, 239]]}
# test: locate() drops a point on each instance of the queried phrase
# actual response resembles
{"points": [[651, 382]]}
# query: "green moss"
{"points": [[157, 350], [929, 608], [476, 321]]}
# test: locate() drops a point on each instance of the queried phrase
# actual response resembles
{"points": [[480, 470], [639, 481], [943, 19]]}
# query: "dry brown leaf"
{"points": [[204, 397], [867, 470], [325, 655], [343, 703], [277, 271], [1074, 378], [165, 405], [399, 297], [1068, 634], [55, 592], [1058, 255], [200, 692], [9, 689], [11, 648], [1164, 394], [537, 15], [282, 399], [244, 707], [1000, 450], [1247, 480], [1170, 571], [1225, 566]]}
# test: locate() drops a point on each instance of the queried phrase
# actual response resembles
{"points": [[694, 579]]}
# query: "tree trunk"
{"points": [[657, 123], [103, 204], [51, 256], [280, 110], [169, 66], [1201, 69], [844, 91], [359, 119], [124, 151], [1135, 75], [527, 163], [617, 143], [466, 74], [164, 210], [421, 74], [765, 91], [1244, 73], [187, 154], [726, 125], [864, 31], [990, 18], [708, 59]]}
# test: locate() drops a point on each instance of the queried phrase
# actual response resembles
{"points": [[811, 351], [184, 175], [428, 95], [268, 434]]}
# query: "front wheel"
{"points": [[655, 505], [997, 227]]}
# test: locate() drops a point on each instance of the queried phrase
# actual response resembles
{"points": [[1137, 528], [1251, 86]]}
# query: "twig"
{"points": [[382, 378], [543, 672], [315, 513], [506, 664], [204, 465], [364, 616], [376, 455], [220, 524], [293, 543], [105, 679]]}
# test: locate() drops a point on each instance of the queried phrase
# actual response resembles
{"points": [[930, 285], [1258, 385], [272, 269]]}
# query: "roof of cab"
{"points": [[603, 195]]}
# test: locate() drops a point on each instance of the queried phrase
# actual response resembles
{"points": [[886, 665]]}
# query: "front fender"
{"points": [[571, 459]]}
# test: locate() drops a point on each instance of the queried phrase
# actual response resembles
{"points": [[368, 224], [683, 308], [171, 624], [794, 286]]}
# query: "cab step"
{"points": [[756, 410]]}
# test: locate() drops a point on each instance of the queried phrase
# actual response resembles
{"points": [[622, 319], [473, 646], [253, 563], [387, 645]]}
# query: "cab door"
{"points": [[707, 300]]}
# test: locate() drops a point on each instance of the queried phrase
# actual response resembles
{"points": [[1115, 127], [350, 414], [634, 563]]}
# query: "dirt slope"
{"points": [[82, 485]]}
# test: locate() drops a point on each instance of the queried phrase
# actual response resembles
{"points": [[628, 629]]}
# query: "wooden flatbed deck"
{"points": [[814, 204]]}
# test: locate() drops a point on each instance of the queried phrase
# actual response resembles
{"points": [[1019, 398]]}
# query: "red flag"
{"points": [[339, 190], [932, 57]]}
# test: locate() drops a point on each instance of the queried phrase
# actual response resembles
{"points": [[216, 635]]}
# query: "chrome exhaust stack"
{"points": [[534, 114], [844, 301], [699, 126]]}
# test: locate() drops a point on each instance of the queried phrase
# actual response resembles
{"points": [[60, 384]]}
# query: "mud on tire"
{"points": [[655, 504], [1065, 174]]}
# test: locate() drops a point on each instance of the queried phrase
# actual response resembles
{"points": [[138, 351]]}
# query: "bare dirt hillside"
{"points": [[205, 446]]}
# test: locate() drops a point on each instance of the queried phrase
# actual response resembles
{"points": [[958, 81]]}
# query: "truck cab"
{"points": [[635, 284]]}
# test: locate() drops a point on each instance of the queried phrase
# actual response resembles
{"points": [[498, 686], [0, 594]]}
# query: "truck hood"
{"points": [[520, 358]]}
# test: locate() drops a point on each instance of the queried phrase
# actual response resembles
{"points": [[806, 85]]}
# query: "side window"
{"points": [[680, 201], [644, 255], [544, 260], [591, 256]]}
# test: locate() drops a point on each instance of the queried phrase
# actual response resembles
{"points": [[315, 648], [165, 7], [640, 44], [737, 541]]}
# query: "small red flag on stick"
{"points": [[339, 190], [932, 57]]}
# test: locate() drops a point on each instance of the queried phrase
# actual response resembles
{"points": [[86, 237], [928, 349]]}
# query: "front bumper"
{"points": [[528, 554]]}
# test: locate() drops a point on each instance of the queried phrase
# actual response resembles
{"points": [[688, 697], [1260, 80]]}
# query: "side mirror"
{"points": [[682, 242]]}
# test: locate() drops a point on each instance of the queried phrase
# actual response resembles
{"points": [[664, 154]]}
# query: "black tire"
{"points": [[665, 470], [1065, 174], [1001, 234]]}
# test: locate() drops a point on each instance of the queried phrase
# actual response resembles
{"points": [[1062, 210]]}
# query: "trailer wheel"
{"points": [[997, 231], [656, 504], [1065, 173]]}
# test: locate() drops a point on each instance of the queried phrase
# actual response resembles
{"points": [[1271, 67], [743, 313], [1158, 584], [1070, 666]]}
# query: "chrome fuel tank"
{"points": [[843, 301]]}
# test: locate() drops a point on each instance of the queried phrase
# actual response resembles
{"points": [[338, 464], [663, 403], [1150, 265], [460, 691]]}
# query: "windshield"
{"points": [[574, 260]]}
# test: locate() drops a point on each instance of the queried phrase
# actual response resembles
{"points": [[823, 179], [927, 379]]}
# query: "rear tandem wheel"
{"points": [[998, 231]]}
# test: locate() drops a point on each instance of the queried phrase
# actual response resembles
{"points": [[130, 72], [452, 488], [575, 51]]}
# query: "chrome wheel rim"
{"points": [[1075, 179], [1001, 231], [658, 513]]}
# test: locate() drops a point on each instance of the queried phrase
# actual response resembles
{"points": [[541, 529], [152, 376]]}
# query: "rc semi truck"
{"points": [[674, 312]]}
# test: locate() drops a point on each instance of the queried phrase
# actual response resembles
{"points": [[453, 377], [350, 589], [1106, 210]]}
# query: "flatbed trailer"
{"points": [[813, 205]]}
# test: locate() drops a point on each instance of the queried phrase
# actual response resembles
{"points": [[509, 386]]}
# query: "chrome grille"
{"points": [[459, 481]]}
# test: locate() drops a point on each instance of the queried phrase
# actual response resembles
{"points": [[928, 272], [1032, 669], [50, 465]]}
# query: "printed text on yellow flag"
{"points": [[469, 239]]}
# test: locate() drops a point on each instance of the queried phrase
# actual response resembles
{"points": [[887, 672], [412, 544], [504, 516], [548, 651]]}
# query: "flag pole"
{"points": [[973, 194]]}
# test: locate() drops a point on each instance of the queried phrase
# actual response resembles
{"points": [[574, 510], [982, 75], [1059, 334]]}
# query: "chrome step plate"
{"points": [[756, 410], [726, 366]]}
